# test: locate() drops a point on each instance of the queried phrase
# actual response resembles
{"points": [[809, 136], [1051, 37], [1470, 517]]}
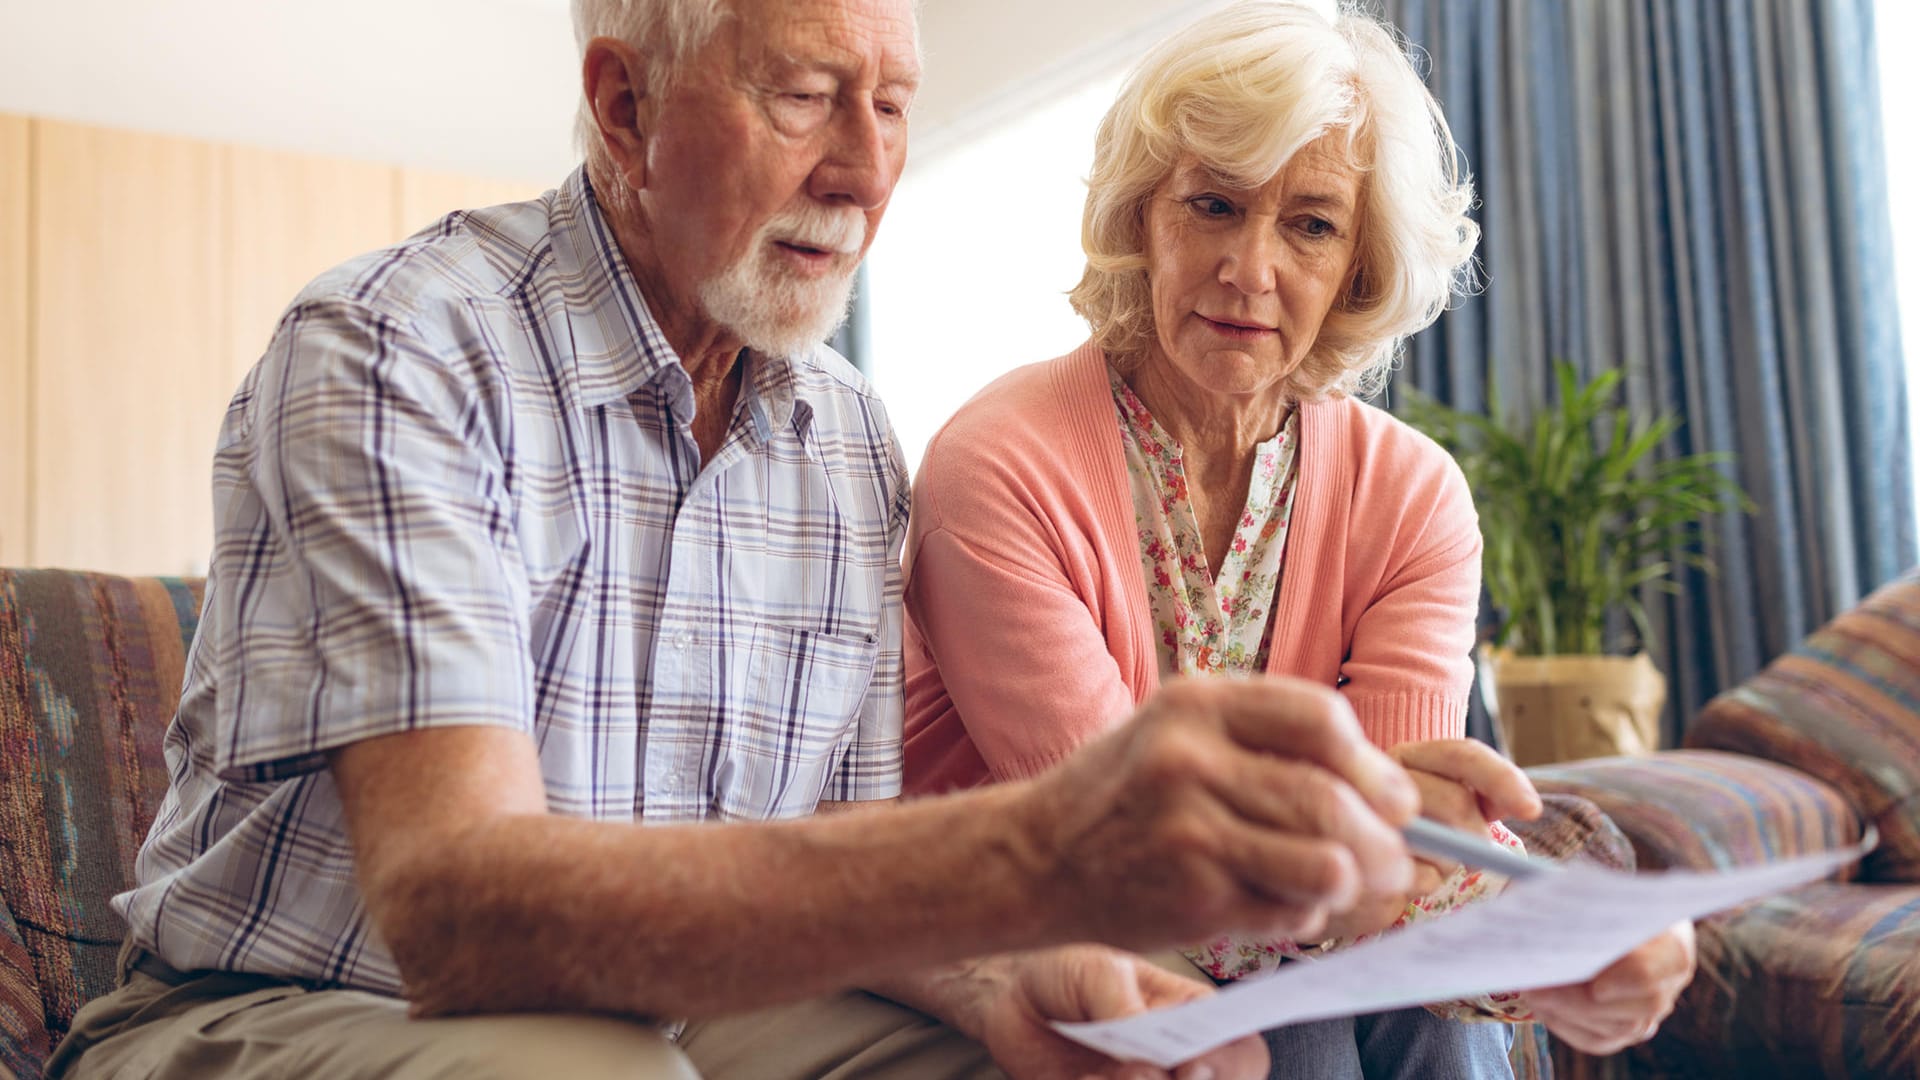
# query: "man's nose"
{"points": [[863, 160], [1251, 261]]}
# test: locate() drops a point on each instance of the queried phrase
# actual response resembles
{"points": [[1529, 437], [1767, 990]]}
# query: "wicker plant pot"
{"points": [[1559, 708]]}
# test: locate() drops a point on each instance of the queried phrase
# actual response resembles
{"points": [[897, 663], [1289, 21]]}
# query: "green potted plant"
{"points": [[1578, 517]]}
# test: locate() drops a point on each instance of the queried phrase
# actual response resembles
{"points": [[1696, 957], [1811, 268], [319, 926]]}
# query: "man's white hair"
{"points": [[671, 30]]}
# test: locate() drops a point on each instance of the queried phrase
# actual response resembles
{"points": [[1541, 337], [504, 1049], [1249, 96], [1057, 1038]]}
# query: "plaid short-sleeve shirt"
{"points": [[461, 488]]}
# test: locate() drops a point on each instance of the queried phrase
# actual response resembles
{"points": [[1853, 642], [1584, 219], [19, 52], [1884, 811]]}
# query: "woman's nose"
{"points": [[1251, 260]]}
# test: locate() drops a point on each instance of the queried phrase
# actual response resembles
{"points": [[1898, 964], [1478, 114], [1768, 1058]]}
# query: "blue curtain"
{"points": [[1694, 190]]}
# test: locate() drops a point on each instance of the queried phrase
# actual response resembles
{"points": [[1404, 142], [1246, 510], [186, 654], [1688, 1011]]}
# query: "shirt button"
{"points": [[683, 639]]}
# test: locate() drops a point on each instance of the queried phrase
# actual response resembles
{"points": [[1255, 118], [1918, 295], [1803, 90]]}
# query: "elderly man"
{"points": [[554, 522]]}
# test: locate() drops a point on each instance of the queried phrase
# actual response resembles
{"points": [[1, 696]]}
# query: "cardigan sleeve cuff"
{"points": [[1393, 717], [1029, 767]]}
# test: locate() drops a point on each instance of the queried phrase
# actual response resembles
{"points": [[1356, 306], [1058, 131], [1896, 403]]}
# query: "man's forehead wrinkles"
{"points": [[841, 61], [844, 37]]}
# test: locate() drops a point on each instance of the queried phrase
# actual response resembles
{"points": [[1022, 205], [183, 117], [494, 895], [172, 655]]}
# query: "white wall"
{"points": [[989, 62], [477, 86], [484, 87]]}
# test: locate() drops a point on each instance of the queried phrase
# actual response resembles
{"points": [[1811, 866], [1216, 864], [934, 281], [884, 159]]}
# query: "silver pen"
{"points": [[1429, 837]]}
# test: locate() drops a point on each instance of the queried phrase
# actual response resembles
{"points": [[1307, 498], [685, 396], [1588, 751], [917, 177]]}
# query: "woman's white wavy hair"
{"points": [[672, 30], [1243, 90]]}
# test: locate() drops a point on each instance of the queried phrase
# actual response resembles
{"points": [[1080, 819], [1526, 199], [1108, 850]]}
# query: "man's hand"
{"points": [[1224, 805], [1090, 982], [1378, 911], [1623, 1005]]}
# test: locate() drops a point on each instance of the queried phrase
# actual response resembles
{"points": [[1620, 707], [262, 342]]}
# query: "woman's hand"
{"points": [[1465, 784], [1462, 783], [1624, 1004]]}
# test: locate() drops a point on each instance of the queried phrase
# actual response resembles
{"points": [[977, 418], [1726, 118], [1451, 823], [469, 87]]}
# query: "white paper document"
{"points": [[1552, 930]]}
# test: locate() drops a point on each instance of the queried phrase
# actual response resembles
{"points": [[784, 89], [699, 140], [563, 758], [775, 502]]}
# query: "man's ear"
{"points": [[615, 78]]}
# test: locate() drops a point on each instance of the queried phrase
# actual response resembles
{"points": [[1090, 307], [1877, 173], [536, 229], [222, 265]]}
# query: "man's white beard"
{"points": [[774, 311]]}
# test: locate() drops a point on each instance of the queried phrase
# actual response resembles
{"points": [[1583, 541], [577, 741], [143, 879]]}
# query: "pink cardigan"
{"points": [[1027, 629]]}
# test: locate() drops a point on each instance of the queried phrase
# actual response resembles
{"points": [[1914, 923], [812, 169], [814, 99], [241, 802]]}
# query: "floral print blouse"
{"points": [[1210, 623]]}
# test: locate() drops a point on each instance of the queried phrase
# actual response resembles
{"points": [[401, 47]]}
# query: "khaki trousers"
{"points": [[242, 1027]]}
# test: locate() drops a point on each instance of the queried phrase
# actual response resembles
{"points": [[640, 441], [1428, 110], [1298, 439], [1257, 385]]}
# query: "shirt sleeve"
{"points": [[873, 767], [366, 560]]}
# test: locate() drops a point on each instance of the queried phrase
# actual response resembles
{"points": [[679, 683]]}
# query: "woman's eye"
{"points": [[1210, 206], [1317, 227]]}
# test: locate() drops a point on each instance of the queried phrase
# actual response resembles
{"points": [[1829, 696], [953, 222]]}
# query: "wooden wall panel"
{"points": [[131, 332], [425, 196], [14, 547], [293, 216]]}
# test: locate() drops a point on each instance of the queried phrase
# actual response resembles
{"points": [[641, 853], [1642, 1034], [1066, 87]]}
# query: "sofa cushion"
{"points": [[1815, 982], [90, 673], [1705, 810], [1843, 706]]}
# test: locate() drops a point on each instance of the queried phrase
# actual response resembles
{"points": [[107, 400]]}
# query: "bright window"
{"points": [[969, 275]]}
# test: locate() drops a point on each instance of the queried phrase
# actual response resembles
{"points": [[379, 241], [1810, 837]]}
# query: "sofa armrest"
{"points": [[1706, 810], [24, 1042], [1570, 827]]}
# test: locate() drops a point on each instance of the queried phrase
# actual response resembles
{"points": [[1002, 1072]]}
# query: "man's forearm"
{"points": [[956, 994], [541, 912]]}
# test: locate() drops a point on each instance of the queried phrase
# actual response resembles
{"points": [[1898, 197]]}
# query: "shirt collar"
{"points": [[618, 346], [774, 396]]}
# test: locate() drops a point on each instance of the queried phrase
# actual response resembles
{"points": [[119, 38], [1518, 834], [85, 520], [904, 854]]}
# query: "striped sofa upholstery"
{"points": [[1706, 809], [1843, 707], [1824, 980], [90, 671]]}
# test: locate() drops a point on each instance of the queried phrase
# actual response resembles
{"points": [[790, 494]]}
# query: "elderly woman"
{"points": [[1197, 490]]}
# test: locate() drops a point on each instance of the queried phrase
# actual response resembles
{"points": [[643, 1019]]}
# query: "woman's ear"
{"points": [[1359, 291], [615, 77]]}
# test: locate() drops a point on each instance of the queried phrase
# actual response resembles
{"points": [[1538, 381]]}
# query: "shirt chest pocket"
{"points": [[798, 713]]}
